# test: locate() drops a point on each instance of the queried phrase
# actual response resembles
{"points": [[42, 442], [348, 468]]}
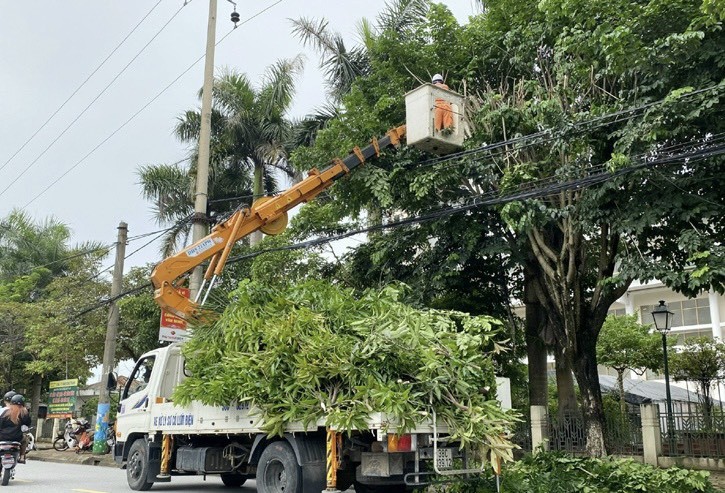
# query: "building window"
{"points": [[617, 312], [688, 312], [690, 334]]}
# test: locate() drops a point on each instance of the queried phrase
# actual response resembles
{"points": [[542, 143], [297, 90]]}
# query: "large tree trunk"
{"points": [[564, 383], [535, 346], [536, 353], [35, 401], [620, 385], [587, 375], [577, 303]]}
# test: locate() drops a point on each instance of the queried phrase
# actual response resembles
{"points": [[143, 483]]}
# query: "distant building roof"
{"points": [[638, 391]]}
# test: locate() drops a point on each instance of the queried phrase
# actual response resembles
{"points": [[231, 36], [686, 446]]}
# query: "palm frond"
{"points": [[339, 66], [304, 131], [170, 187], [278, 86], [400, 15]]}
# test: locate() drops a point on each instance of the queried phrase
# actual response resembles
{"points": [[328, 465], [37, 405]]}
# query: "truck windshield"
{"points": [[140, 376]]}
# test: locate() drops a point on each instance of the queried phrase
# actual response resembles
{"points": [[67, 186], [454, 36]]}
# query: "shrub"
{"points": [[556, 472]]}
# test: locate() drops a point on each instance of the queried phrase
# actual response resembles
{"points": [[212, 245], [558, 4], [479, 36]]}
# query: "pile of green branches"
{"points": [[315, 351]]}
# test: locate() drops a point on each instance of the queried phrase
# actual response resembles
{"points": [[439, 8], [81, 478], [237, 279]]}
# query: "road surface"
{"points": [[54, 477]]}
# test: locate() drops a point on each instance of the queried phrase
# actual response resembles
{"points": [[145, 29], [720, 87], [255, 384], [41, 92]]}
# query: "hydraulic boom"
{"points": [[268, 214]]}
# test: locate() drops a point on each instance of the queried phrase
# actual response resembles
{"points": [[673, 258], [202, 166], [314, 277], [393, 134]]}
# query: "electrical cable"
{"points": [[490, 199], [82, 84], [550, 134], [576, 184], [159, 233], [148, 103], [68, 127]]}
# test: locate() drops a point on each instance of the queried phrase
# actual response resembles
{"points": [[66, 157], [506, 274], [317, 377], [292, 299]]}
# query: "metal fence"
{"points": [[693, 433], [623, 433], [521, 433]]}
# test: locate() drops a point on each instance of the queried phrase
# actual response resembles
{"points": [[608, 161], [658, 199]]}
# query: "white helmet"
{"points": [[437, 78]]}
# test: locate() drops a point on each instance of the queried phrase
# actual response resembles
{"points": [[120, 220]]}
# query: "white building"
{"points": [[694, 317]]}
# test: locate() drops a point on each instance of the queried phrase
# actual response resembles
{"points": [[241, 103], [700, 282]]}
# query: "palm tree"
{"points": [[26, 245], [340, 65], [249, 133]]}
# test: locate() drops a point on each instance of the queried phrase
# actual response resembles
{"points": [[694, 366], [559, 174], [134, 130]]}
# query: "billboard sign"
{"points": [[62, 398]]}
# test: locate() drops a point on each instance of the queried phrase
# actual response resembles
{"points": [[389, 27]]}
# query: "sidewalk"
{"points": [[46, 453]]}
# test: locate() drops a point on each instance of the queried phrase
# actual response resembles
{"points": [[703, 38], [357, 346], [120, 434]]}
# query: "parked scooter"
{"points": [[30, 439], [9, 453], [82, 432], [66, 439]]}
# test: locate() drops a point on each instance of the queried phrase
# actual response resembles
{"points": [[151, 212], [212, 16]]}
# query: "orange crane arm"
{"points": [[267, 214]]}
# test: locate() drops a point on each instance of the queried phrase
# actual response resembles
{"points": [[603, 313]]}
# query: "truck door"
{"points": [[136, 396]]}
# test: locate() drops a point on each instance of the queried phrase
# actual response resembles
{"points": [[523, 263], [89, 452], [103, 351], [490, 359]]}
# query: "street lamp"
{"points": [[663, 323]]}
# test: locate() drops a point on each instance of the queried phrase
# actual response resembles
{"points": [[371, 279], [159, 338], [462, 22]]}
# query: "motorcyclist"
{"points": [[13, 422], [7, 400]]}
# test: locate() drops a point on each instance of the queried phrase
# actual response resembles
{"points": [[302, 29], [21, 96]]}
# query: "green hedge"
{"points": [[556, 472]]}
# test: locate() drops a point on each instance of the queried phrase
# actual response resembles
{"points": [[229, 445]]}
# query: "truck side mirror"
{"points": [[111, 381]]}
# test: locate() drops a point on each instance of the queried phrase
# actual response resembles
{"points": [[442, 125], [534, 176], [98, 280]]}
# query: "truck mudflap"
{"points": [[118, 452], [154, 449], [311, 456]]}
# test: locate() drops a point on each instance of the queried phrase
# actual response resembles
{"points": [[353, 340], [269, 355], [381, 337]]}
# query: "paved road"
{"points": [[52, 477]]}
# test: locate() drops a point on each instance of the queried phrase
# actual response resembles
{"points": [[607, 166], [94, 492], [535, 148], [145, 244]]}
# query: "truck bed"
{"points": [[198, 418]]}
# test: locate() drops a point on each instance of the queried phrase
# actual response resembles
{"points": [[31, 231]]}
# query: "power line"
{"points": [[488, 199], [158, 234], [68, 127], [148, 103], [550, 134], [81, 85]]}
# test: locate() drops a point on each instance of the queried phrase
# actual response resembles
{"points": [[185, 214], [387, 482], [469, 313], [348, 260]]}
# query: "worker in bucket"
{"points": [[443, 117]]}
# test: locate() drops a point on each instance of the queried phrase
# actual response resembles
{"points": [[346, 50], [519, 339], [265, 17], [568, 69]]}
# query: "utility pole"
{"points": [[202, 167], [109, 350]]}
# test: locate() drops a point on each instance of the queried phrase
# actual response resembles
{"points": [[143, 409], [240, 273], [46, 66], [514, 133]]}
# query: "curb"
{"points": [[88, 460]]}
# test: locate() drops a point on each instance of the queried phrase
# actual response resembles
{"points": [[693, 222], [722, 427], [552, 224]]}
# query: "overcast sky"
{"points": [[48, 48]]}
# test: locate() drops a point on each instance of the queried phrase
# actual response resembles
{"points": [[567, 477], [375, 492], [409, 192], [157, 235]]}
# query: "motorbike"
{"points": [[30, 439], [9, 453], [68, 438], [85, 437]]}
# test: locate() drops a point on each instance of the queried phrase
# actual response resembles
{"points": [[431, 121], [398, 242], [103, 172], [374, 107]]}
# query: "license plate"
{"points": [[8, 461], [444, 458]]}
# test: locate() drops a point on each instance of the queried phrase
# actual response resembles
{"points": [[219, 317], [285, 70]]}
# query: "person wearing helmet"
{"points": [[443, 115], [6, 400], [13, 422]]}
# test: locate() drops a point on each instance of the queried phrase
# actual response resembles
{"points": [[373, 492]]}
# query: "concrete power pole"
{"points": [[109, 351], [202, 167]]}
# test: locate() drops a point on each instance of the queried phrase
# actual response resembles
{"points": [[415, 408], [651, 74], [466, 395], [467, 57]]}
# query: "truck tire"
{"points": [[233, 479], [277, 470], [137, 467]]}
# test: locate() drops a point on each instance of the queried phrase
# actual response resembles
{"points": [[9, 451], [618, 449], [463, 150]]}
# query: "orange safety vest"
{"points": [[443, 117]]}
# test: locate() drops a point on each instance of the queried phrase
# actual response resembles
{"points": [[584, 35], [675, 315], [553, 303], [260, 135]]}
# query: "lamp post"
{"points": [[663, 323]]}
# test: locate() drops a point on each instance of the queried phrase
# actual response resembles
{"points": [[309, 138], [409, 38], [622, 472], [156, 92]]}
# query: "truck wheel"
{"points": [[137, 467], [233, 479], [277, 471]]}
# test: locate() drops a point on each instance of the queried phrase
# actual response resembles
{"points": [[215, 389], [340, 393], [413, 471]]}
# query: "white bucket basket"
{"points": [[420, 120]]}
